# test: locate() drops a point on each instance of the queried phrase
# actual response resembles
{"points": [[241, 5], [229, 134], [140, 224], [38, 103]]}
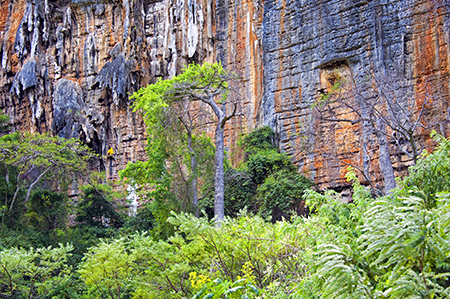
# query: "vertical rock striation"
{"points": [[306, 41], [68, 66]]}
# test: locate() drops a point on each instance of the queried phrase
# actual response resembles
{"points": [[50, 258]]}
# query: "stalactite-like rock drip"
{"points": [[68, 66]]}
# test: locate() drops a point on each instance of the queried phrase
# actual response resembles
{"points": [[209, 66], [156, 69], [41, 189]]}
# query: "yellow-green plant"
{"points": [[107, 269], [33, 273], [243, 287]]}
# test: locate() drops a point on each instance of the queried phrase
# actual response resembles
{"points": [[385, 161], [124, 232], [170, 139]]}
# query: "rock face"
{"points": [[68, 66]]}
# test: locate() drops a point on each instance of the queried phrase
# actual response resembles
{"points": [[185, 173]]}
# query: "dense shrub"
{"points": [[97, 208], [266, 162], [281, 193], [243, 253], [431, 174], [240, 189], [388, 247], [259, 139], [143, 221], [266, 182], [392, 247], [32, 273], [47, 210]]}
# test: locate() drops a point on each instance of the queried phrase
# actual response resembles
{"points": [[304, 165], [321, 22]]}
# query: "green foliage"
{"points": [[266, 162], [25, 235], [98, 207], [82, 237], [143, 221], [260, 139], [8, 188], [47, 210], [237, 243], [240, 189], [407, 244], [282, 192], [237, 260], [155, 188], [70, 288], [266, 183], [392, 247], [431, 174], [26, 151], [107, 268], [242, 288], [194, 80], [32, 273], [4, 120], [39, 158], [389, 247], [180, 158]]}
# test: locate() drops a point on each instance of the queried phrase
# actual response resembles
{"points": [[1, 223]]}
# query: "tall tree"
{"points": [[208, 84], [179, 156]]}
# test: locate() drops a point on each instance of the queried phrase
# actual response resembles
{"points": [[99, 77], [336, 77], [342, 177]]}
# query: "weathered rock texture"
{"points": [[68, 66]]}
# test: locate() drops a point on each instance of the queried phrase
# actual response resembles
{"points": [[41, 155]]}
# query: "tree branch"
{"points": [[34, 183]]}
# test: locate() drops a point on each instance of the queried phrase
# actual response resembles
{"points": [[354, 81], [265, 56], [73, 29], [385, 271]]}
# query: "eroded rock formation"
{"points": [[68, 66]]}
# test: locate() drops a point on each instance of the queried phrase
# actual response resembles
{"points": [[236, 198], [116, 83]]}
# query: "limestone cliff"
{"points": [[68, 66]]}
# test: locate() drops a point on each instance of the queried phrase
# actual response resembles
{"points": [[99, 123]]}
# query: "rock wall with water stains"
{"points": [[68, 66], [305, 41]]}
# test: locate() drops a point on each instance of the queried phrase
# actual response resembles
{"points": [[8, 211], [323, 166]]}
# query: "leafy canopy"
{"points": [[40, 156], [33, 273], [195, 80]]}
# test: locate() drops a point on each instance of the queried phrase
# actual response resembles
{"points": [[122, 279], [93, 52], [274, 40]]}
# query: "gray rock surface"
{"points": [[68, 66], [67, 109], [25, 78]]}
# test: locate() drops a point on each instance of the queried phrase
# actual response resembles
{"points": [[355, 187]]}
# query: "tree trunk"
{"points": [[194, 173], [219, 183], [194, 186], [367, 131], [385, 158]]}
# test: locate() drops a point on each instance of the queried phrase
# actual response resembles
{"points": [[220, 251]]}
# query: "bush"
{"points": [[231, 259], [97, 208], [82, 237], [108, 268], [143, 221], [33, 273], [260, 139], [266, 162], [267, 182], [239, 192], [281, 193], [391, 247], [47, 210], [431, 174]]}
